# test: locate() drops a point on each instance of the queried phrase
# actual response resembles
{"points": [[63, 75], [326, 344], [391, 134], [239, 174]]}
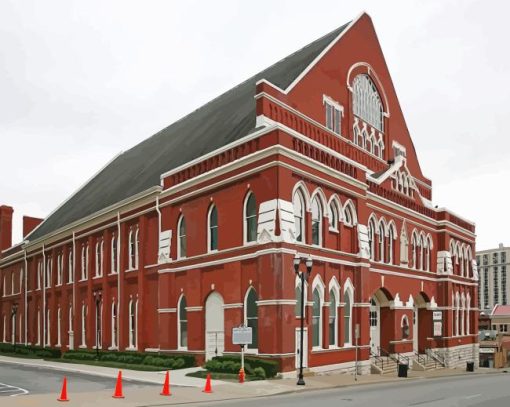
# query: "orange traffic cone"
{"points": [[118, 387], [166, 385], [208, 387], [63, 393]]}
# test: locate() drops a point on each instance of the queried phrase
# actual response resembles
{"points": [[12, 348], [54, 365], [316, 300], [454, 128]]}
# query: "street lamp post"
{"points": [[14, 312], [303, 275], [97, 297]]}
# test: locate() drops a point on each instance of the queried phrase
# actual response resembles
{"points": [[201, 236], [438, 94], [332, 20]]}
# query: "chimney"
{"points": [[5, 227], [29, 224]]}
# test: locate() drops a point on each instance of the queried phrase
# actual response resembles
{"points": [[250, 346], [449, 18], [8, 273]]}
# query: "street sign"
{"points": [[438, 328], [242, 336], [437, 316]]}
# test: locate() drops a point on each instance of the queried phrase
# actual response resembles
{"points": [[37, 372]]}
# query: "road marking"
{"points": [[12, 389], [473, 396]]}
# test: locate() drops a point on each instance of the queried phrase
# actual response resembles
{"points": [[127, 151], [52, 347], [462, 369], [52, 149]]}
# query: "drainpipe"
{"points": [[159, 237], [44, 298], [71, 328], [26, 295], [118, 282]]}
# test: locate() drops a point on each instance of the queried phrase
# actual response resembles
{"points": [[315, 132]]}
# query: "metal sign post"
{"points": [[242, 336]]}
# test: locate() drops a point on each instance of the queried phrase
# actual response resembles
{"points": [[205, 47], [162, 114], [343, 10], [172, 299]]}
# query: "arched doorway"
{"points": [[419, 310], [375, 323], [214, 326], [380, 299]]}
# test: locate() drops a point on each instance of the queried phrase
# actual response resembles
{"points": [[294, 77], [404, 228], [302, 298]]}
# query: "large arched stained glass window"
{"points": [[252, 317], [366, 101]]}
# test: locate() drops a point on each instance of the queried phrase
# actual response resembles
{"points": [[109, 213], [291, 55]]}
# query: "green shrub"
{"points": [[270, 366], [259, 372], [79, 356]]}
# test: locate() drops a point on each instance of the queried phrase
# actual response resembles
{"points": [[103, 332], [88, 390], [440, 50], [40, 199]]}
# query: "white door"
{"points": [[415, 329], [375, 330], [305, 346], [214, 326]]}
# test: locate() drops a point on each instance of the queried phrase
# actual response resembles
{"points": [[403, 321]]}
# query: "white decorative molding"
{"points": [[474, 267], [166, 310], [192, 309], [233, 305], [165, 237], [444, 263], [410, 302], [397, 302], [432, 304], [364, 244], [266, 228], [276, 302]]}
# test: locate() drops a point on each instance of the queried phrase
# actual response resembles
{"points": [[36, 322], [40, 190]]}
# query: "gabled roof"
{"points": [[221, 121], [501, 310]]}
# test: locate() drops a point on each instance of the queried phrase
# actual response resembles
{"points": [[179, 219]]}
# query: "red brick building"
{"points": [[194, 231]]}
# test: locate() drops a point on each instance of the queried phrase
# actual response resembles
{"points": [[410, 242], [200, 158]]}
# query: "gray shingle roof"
{"points": [[223, 120]]}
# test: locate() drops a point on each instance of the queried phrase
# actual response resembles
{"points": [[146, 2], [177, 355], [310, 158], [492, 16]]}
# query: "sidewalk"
{"points": [[178, 377], [221, 390]]}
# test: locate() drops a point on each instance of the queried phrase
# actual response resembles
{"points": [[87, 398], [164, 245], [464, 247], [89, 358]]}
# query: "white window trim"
{"points": [[245, 219], [209, 213], [179, 236], [179, 339], [253, 351], [348, 290]]}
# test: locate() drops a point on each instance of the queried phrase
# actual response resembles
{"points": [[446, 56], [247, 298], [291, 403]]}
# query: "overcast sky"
{"points": [[81, 81]]}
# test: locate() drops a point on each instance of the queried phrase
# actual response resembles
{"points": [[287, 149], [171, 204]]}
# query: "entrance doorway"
{"points": [[375, 323], [415, 330], [214, 326]]}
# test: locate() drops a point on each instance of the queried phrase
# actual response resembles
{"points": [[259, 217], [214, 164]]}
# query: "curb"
{"points": [[89, 373]]}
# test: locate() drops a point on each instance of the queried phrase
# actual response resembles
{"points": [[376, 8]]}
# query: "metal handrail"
{"points": [[435, 356], [420, 358], [377, 358]]}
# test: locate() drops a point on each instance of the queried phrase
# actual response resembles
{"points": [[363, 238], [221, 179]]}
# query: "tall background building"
{"points": [[493, 265]]}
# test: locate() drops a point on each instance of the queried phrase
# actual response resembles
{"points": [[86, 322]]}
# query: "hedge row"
{"points": [[252, 366], [134, 358], [36, 351]]}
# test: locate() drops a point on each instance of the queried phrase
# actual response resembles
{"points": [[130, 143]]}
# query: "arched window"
{"points": [[333, 324], [468, 314], [390, 243], [347, 318], [133, 329], [371, 237], [70, 327], [463, 315], [114, 259], [38, 327], [114, 325], [428, 246], [349, 214], [133, 247], [381, 242], [99, 258], [48, 328], [457, 312], [21, 280], [84, 262], [48, 272], [4, 329], [13, 291], [181, 237], [404, 324], [13, 328], [334, 216], [59, 326], [414, 249], [212, 235], [99, 325], [299, 216], [367, 102], [84, 325], [251, 317], [60, 270], [316, 222], [317, 319], [70, 268], [250, 218], [4, 291], [183, 323]]}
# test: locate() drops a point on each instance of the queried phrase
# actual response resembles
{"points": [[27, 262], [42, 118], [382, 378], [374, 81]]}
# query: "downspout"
{"points": [[44, 299], [71, 328], [26, 294], [118, 282], [159, 238]]}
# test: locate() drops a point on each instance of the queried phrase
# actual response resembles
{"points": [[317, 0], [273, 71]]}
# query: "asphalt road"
{"points": [[487, 390], [19, 380]]}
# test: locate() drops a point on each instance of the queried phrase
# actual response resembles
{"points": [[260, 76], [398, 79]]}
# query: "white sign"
{"points": [[437, 316], [487, 350], [242, 336], [438, 328]]}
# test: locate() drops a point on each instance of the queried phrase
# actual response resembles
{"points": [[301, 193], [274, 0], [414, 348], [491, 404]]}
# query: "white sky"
{"points": [[81, 81]]}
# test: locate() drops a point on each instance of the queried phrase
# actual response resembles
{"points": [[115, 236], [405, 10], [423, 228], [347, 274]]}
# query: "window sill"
{"points": [[251, 351], [113, 348], [114, 273], [82, 280], [131, 349], [334, 230], [131, 270], [212, 251], [97, 277], [70, 282], [252, 243], [182, 348], [82, 347]]}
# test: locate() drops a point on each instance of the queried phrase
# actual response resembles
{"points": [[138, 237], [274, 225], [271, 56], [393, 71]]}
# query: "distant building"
{"points": [[495, 337], [493, 283]]}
